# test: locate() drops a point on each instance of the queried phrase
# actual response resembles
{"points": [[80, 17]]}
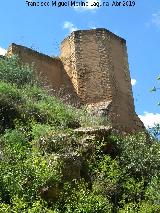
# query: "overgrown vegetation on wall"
{"points": [[46, 166]]}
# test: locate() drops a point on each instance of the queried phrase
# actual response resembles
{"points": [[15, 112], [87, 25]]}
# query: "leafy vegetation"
{"points": [[47, 167], [156, 88]]}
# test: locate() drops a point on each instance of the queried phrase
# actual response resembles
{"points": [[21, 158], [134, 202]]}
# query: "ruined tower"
{"points": [[93, 70], [97, 63]]}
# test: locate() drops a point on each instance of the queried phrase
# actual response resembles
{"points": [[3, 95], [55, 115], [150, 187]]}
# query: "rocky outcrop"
{"points": [[74, 158]]}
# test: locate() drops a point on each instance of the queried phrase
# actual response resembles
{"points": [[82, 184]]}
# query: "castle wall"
{"points": [[92, 70], [102, 72], [68, 51], [49, 70], [91, 65]]}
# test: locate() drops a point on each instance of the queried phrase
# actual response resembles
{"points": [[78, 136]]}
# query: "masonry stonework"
{"points": [[93, 69], [97, 63], [49, 70]]}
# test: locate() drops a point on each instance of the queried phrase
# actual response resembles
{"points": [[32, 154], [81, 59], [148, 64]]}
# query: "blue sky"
{"points": [[43, 28]]}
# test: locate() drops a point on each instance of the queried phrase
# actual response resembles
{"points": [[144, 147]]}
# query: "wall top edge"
{"points": [[31, 51], [100, 30]]}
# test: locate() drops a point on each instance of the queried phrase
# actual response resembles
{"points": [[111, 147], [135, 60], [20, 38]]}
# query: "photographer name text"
{"points": [[80, 4]]}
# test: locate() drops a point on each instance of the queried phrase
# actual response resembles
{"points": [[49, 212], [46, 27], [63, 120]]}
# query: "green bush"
{"points": [[140, 158], [32, 104], [10, 102], [13, 71], [23, 169], [79, 199], [121, 174]]}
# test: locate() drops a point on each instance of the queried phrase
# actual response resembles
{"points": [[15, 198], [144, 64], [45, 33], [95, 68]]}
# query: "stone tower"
{"points": [[97, 63]]}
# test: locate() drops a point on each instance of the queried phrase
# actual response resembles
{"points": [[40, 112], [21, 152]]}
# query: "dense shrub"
{"points": [[32, 104], [10, 100], [140, 158], [115, 174], [23, 169], [13, 71], [82, 200]]}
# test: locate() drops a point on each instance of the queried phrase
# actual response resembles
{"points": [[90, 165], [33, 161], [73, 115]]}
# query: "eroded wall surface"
{"points": [[68, 56], [97, 63]]}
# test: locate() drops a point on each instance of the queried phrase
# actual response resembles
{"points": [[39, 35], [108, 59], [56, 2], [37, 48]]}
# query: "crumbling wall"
{"points": [[101, 70], [49, 70]]}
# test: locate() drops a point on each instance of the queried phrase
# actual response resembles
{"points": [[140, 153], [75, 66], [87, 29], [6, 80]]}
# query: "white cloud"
{"points": [[156, 19], [89, 7], [133, 82], [92, 27], [2, 51], [69, 26], [149, 119]]}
